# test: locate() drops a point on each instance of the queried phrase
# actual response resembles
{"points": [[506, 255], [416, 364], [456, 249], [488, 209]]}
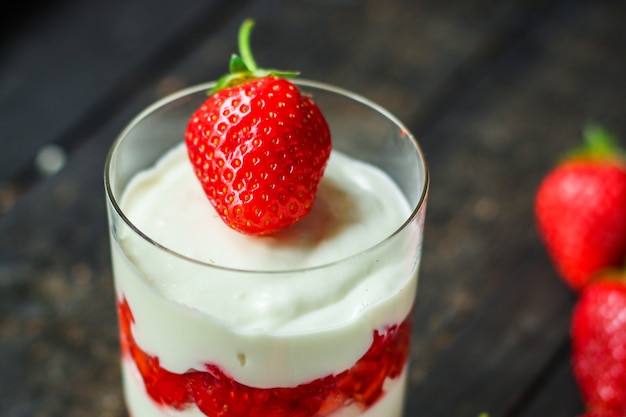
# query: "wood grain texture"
{"points": [[494, 90]]}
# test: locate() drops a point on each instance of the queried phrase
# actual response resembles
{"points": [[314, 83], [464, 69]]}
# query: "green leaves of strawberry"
{"points": [[243, 67], [599, 145]]}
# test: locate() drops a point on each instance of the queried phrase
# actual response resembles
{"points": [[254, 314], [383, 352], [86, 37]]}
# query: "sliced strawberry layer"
{"points": [[218, 395]]}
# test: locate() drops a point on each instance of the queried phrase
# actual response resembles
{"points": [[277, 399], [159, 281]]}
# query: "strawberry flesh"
{"points": [[259, 150], [580, 209], [598, 332], [216, 394]]}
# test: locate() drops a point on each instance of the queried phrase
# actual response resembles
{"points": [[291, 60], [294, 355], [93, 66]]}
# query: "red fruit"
{"points": [[216, 394], [580, 211], [332, 402], [598, 334], [258, 146]]}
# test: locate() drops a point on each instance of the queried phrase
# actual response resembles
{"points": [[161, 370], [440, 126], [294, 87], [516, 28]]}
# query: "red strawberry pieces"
{"points": [[259, 150], [218, 395], [598, 333]]}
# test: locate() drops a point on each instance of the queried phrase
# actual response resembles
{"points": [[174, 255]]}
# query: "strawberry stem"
{"points": [[244, 45], [599, 141], [243, 67], [599, 144]]}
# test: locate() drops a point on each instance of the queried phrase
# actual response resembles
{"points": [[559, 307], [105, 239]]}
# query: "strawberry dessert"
{"points": [[258, 270]]}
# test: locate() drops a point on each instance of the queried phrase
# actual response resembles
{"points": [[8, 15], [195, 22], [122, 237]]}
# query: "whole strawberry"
{"points": [[580, 210], [258, 146], [598, 334]]}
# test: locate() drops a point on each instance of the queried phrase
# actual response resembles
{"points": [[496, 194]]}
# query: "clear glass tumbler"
{"points": [[180, 361]]}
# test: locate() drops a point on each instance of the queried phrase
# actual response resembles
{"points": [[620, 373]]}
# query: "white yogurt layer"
{"points": [[356, 207], [265, 329]]}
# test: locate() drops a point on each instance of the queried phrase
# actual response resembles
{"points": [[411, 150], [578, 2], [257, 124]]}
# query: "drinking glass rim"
{"points": [[170, 98]]}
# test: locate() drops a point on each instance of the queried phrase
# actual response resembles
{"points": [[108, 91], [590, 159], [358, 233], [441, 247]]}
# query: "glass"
{"points": [[177, 360]]}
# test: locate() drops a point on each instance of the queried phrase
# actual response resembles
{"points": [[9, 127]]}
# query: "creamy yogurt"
{"points": [[356, 207], [275, 311]]}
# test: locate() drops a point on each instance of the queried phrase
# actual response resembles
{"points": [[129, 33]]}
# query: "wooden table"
{"points": [[494, 90]]}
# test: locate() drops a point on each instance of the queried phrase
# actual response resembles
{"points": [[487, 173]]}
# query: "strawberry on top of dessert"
{"points": [[258, 146]]}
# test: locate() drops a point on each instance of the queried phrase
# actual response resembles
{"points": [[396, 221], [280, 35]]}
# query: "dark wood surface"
{"points": [[494, 90]]}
